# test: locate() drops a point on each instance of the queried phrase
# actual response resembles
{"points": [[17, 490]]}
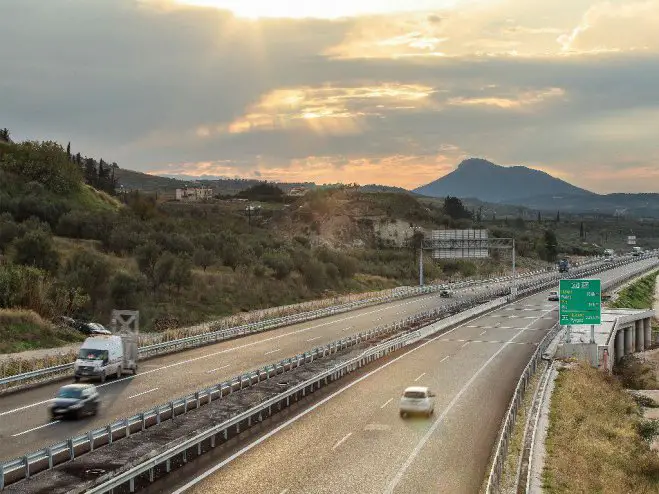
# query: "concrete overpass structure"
{"points": [[623, 331]]}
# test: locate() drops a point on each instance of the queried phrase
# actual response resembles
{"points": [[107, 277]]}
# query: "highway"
{"points": [[24, 424], [353, 439]]}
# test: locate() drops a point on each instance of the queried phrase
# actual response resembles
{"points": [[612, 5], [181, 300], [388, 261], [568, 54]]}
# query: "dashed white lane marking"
{"points": [[444, 359], [217, 369], [386, 403], [316, 338], [36, 428], [464, 344], [482, 333], [272, 351], [420, 377], [345, 438], [143, 393]]}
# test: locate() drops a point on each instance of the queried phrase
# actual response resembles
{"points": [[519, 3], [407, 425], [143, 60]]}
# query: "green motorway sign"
{"points": [[580, 302]]}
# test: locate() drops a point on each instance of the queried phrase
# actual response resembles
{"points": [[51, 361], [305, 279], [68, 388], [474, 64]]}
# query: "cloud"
{"points": [[398, 98]]}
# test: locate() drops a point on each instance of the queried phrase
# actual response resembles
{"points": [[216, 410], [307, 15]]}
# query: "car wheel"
{"points": [[403, 414], [120, 371], [95, 410], [76, 378], [103, 377], [78, 414]]}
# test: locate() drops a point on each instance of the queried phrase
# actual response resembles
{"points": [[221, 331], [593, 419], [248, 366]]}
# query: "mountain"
{"points": [[481, 179]]}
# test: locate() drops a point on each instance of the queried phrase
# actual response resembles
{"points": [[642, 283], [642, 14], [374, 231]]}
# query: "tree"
{"points": [[551, 246], [280, 262], [8, 230], [539, 217], [454, 207], [89, 271], [181, 273], [147, 256], [162, 271], [582, 232], [5, 134], [125, 289], [36, 249], [45, 163], [558, 216], [203, 258], [68, 150]]}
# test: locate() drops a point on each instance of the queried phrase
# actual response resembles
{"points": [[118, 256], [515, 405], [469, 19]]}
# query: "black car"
{"points": [[75, 400]]}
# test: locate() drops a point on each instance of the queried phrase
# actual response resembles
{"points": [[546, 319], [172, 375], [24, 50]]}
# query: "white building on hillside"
{"points": [[194, 194]]}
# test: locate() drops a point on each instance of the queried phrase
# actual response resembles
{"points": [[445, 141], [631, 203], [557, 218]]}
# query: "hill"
{"points": [[484, 180]]}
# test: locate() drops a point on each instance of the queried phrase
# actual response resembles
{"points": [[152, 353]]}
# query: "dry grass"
{"points": [[22, 330], [593, 443]]}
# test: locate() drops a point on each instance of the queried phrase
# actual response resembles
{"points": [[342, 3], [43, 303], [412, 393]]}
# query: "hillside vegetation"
{"points": [[72, 245]]}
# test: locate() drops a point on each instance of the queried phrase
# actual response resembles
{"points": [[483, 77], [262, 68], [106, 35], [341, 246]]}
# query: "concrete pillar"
{"points": [[632, 330], [620, 345], [629, 334], [640, 336], [647, 328]]}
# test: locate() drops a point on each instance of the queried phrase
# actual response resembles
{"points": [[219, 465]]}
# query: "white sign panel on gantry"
{"points": [[460, 244], [631, 240]]}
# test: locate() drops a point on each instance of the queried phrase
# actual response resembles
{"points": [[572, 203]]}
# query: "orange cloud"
{"points": [[525, 99], [326, 110], [397, 170]]}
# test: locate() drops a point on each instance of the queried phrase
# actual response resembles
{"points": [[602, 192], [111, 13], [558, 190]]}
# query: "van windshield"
{"points": [[91, 354]]}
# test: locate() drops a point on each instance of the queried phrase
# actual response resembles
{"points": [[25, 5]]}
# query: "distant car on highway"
{"points": [[75, 400], [553, 296], [446, 294], [417, 399]]}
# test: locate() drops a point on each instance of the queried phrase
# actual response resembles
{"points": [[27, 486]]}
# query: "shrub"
{"points": [[8, 231], [125, 290], [147, 256], [280, 262], [90, 272], [203, 258], [36, 249], [314, 274]]}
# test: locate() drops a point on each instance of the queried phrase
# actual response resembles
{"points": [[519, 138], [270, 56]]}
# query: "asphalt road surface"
{"points": [[355, 441], [25, 425]]}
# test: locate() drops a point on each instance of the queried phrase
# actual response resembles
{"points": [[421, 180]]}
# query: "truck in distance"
{"points": [[563, 266]]}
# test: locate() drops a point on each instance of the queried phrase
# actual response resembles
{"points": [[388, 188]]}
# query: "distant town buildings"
{"points": [[297, 191], [194, 194]]}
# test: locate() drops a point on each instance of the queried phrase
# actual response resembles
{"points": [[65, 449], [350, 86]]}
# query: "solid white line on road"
{"points": [[143, 393], [444, 359], [341, 441], [36, 428], [220, 352], [215, 370], [272, 351], [415, 452], [25, 407], [314, 339], [347, 328], [386, 403], [305, 412], [420, 377]]}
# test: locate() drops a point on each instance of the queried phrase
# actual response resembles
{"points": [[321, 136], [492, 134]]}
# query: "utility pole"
{"points": [[514, 289], [421, 266]]}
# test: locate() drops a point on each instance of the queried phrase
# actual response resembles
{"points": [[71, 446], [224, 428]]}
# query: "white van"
{"points": [[104, 355]]}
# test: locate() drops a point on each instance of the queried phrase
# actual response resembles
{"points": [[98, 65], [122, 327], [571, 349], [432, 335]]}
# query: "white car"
{"points": [[417, 399], [553, 296]]}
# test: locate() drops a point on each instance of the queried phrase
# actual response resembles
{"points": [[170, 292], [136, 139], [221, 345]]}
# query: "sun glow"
{"points": [[298, 9]]}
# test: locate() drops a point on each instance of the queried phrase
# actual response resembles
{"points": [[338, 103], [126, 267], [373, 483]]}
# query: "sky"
{"points": [[393, 92]]}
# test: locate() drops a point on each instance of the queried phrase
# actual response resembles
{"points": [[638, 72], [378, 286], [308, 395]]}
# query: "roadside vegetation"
{"points": [[597, 440], [638, 295], [73, 243]]}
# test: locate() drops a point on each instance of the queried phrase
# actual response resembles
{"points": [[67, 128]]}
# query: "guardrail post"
{"points": [[108, 431], [127, 427], [90, 438], [196, 395], [2, 477], [50, 463], [26, 460], [151, 475], [171, 407], [69, 445], [131, 485]]}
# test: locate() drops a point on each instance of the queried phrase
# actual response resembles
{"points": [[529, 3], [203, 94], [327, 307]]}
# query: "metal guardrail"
{"points": [[506, 431], [66, 450], [162, 348]]}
